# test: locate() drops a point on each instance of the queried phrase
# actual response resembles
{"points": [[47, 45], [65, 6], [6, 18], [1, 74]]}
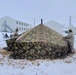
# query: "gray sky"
{"points": [[28, 10]]}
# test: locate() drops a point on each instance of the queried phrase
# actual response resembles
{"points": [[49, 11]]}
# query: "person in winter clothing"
{"points": [[70, 39], [16, 32]]}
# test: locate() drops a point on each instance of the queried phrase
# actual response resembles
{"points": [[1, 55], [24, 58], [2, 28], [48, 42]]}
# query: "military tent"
{"points": [[40, 42]]}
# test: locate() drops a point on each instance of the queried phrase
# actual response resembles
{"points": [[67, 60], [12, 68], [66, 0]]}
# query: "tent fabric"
{"points": [[41, 33], [40, 42]]}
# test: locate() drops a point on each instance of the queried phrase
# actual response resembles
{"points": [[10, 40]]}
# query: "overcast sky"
{"points": [[28, 10]]}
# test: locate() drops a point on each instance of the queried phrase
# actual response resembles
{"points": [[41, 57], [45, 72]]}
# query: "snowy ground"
{"points": [[8, 66]]}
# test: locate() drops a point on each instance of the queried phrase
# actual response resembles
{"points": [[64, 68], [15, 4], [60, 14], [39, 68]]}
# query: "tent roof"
{"points": [[41, 33]]}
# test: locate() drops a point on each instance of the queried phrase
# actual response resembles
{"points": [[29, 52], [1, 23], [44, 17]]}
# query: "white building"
{"points": [[9, 24], [71, 27], [55, 26]]}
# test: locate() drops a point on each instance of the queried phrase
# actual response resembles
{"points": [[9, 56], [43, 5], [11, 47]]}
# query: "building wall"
{"points": [[13, 24], [55, 26]]}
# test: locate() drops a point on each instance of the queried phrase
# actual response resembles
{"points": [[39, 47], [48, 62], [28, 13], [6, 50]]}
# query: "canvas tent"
{"points": [[40, 42]]}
